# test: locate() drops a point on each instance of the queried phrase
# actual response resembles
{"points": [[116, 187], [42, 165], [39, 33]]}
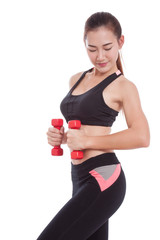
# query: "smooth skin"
{"points": [[103, 46]]}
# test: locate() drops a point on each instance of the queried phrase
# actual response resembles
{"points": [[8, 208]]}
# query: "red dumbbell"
{"points": [[75, 124], [57, 150]]}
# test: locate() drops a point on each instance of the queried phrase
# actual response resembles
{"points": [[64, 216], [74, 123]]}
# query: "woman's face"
{"points": [[102, 47]]}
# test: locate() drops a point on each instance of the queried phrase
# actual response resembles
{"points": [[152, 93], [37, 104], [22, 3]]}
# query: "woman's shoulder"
{"points": [[127, 87], [126, 83], [74, 78]]}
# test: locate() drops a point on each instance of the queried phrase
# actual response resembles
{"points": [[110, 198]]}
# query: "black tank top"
{"points": [[89, 107]]}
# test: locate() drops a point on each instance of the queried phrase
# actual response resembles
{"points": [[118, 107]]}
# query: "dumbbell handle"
{"points": [[75, 124], [57, 150]]}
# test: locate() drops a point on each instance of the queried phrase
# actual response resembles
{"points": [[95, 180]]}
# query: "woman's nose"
{"points": [[100, 56]]}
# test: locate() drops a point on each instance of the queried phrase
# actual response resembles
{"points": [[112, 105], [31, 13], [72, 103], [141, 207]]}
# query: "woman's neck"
{"points": [[97, 73]]}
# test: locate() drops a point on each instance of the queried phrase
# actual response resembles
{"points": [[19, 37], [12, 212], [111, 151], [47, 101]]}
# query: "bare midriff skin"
{"points": [[93, 131]]}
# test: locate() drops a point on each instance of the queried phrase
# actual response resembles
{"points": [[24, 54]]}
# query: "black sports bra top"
{"points": [[89, 107]]}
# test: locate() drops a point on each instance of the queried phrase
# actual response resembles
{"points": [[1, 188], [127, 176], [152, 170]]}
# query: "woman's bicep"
{"points": [[132, 108], [135, 118]]}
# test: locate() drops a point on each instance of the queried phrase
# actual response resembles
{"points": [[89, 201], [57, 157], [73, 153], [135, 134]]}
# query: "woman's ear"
{"points": [[121, 41]]}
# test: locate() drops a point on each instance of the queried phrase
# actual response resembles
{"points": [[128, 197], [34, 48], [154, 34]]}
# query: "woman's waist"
{"points": [[93, 130], [89, 153]]}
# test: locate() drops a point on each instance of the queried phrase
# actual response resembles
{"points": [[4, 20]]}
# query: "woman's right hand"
{"points": [[56, 137]]}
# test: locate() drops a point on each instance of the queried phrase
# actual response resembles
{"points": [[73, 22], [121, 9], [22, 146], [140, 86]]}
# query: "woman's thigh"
{"points": [[73, 219], [85, 215]]}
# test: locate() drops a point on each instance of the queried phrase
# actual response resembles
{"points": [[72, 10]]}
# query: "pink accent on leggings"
{"points": [[104, 184]]}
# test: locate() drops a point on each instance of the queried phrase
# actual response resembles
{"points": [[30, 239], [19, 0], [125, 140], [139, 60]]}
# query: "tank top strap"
{"points": [[109, 80], [79, 80]]}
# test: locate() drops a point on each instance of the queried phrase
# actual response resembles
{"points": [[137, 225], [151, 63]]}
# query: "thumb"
{"points": [[62, 130]]}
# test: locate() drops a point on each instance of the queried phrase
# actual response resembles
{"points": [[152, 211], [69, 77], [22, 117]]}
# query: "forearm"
{"points": [[126, 139]]}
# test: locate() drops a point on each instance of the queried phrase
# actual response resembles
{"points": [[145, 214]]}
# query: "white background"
{"points": [[41, 47]]}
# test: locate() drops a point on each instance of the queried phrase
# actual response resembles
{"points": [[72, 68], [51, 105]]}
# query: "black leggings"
{"points": [[99, 188]]}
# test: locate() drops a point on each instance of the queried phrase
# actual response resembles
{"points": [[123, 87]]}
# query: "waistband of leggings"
{"points": [[94, 162]]}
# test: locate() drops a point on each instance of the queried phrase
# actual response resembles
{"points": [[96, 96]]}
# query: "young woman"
{"points": [[95, 98]]}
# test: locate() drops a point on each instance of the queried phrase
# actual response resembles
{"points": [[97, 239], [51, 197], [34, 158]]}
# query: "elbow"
{"points": [[143, 136], [145, 141]]}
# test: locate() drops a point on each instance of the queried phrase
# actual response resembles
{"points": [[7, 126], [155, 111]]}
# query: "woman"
{"points": [[95, 98]]}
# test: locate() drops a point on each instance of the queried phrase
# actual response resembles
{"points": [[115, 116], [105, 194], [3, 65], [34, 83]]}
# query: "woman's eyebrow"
{"points": [[103, 45]]}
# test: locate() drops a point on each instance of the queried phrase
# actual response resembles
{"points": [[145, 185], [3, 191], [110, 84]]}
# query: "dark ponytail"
{"points": [[119, 64], [106, 19]]}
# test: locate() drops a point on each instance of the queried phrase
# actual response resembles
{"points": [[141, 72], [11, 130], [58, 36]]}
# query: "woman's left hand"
{"points": [[76, 139]]}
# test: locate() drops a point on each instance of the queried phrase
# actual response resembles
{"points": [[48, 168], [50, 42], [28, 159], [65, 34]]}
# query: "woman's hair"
{"points": [[106, 19]]}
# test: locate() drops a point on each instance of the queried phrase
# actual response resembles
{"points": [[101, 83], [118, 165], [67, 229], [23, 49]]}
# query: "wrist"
{"points": [[96, 142], [89, 143]]}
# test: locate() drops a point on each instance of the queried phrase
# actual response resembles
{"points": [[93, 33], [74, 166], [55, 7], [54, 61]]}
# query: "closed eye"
{"points": [[91, 50], [107, 49]]}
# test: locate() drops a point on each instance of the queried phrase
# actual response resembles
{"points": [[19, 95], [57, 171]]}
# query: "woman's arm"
{"points": [[137, 135]]}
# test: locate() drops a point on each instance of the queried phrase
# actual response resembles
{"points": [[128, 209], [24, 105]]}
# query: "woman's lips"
{"points": [[102, 64]]}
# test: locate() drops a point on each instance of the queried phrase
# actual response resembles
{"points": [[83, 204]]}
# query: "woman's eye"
{"points": [[107, 49], [91, 50]]}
